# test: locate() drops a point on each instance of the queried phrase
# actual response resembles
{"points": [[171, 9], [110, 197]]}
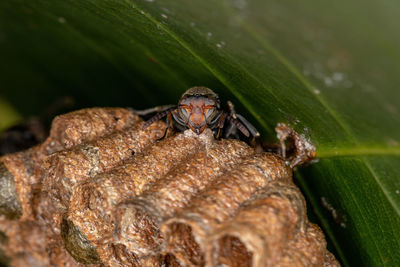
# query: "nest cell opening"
{"points": [[184, 240], [232, 252], [170, 260]]}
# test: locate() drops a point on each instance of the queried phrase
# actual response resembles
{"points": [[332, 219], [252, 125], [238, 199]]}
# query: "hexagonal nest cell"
{"points": [[101, 191]]}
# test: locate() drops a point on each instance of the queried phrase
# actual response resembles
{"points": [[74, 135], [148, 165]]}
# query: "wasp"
{"points": [[200, 108]]}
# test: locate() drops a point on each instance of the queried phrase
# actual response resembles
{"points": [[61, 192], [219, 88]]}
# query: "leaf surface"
{"points": [[329, 69]]}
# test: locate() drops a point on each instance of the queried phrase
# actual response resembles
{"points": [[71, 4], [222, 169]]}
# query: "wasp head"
{"points": [[199, 107]]}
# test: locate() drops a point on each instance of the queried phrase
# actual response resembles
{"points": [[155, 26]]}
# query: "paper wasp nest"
{"points": [[102, 191]]}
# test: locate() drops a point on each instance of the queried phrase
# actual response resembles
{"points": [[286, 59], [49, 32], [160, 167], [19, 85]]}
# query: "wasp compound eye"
{"points": [[184, 113], [209, 112]]}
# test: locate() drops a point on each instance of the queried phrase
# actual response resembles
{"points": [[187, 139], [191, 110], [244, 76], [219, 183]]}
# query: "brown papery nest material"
{"points": [[173, 192], [269, 230], [186, 232], [101, 191]]}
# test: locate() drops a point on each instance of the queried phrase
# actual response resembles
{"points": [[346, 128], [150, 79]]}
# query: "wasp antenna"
{"points": [[239, 125], [157, 117], [148, 111], [231, 109]]}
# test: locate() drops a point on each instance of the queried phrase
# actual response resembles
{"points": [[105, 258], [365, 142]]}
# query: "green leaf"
{"points": [[8, 115], [330, 69]]}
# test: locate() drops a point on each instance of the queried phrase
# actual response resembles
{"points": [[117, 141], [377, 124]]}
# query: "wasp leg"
{"points": [[221, 123], [239, 125], [145, 112], [157, 117], [169, 119], [249, 126], [231, 130], [231, 109], [239, 122], [232, 112], [240, 118], [255, 140]]}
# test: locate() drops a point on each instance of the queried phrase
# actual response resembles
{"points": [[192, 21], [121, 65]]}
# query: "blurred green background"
{"points": [[328, 68]]}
